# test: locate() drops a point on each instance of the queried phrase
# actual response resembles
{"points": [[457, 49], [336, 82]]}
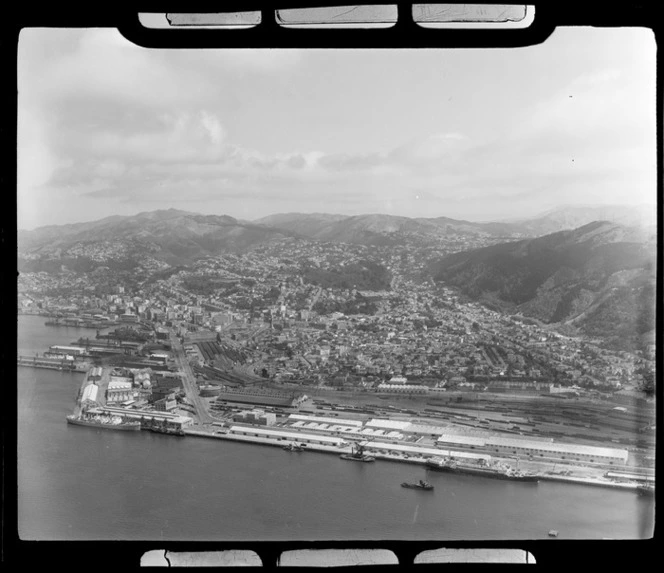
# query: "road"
{"points": [[189, 383]]}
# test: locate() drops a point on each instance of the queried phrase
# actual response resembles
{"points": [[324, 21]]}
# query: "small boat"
{"points": [[419, 485], [553, 533], [293, 448], [357, 455], [356, 458]]}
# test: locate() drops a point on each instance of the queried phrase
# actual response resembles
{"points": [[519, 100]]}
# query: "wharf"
{"points": [[91, 325], [222, 435], [589, 481], [77, 406], [35, 362]]}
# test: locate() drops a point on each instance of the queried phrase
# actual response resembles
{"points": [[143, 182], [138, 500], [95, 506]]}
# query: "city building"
{"points": [[402, 388], [276, 436], [256, 416], [89, 396], [119, 390]]}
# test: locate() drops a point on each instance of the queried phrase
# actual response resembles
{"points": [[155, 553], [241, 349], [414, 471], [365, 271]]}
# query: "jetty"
{"points": [[49, 363]]}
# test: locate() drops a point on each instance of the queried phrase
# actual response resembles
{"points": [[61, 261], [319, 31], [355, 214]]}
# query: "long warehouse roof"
{"points": [[323, 419], [343, 428], [423, 451], [465, 440], [561, 447], [389, 424], [281, 434], [534, 445], [90, 393], [426, 429]]}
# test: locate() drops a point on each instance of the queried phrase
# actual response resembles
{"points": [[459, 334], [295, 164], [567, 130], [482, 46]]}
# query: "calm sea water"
{"points": [[78, 483]]}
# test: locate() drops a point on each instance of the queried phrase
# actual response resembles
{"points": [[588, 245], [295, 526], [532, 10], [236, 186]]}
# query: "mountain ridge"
{"points": [[597, 278]]}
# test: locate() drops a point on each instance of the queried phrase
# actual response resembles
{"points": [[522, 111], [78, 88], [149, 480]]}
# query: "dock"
{"points": [[590, 481], [49, 363], [222, 435]]}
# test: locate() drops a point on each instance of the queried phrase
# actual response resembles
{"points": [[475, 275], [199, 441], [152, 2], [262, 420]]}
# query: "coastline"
{"points": [[395, 458]]}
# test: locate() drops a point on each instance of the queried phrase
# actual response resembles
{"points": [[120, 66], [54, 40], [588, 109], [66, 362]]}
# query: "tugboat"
{"points": [[419, 485], [357, 455], [293, 447]]}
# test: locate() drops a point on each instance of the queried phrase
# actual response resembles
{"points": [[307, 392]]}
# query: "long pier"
{"points": [[51, 364], [90, 325], [221, 435]]}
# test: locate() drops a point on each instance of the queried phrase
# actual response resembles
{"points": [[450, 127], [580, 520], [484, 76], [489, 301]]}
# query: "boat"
{"points": [[553, 533], [294, 447], [104, 422], [419, 485], [451, 466], [169, 431], [357, 455]]}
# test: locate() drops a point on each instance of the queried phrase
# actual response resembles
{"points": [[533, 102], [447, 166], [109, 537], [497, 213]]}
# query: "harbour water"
{"points": [[79, 483]]}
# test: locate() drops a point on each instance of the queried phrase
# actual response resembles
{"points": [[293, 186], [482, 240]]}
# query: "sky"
{"points": [[109, 128]]}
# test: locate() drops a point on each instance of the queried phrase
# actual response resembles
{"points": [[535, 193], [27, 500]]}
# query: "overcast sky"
{"points": [[106, 127]]}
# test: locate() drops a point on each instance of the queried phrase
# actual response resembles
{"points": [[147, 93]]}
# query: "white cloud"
{"points": [[106, 120]]}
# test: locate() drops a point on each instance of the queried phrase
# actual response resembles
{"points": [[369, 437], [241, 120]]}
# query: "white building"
{"points": [[424, 453], [322, 419], [538, 449], [90, 394], [119, 391], [387, 424], [280, 435]]}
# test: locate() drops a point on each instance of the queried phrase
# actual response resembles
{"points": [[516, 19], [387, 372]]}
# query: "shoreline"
{"points": [[393, 458]]}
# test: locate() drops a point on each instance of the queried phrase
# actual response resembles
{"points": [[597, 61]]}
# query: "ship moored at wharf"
{"points": [[451, 466], [104, 422], [357, 455]]}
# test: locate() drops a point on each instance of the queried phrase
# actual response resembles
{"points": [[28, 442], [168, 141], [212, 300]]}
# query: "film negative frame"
{"points": [[405, 34]]}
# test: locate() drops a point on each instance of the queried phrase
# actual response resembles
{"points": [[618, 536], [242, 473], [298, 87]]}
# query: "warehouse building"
{"points": [[538, 449], [255, 396], [344, 429], [75, 350], [425, 453], [323, 419], [280, 435], [425, 430], [406, 427], [95, 373], [89, 396], [119, 390], [402, 389], [256, 416], [387, 424]]}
